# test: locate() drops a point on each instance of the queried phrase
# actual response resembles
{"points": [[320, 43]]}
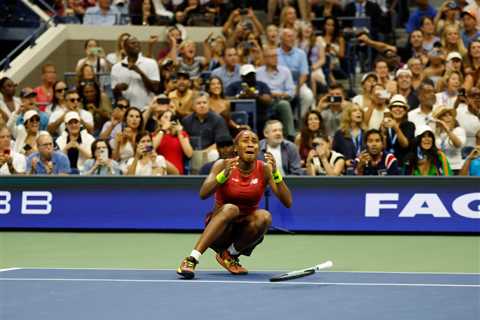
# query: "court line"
{"points": [[251, 270], [9, 269], [372, 284]]}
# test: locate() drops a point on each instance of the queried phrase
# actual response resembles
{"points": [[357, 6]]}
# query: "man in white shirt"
{"points": [[468, 116], [423, 114], [11, 162], [136, 77]]}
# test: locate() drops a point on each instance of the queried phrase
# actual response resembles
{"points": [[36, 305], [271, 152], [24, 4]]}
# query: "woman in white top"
{"points": [[322, 160], [450, 137], [146, 161], [119, 53], [374, 113], [364, 100], [75, 142], [124, 145], [8, 102], [453, 81], [95, 57], [58, 100]]}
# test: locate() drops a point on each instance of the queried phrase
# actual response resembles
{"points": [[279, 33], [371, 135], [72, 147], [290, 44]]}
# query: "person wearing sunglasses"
{"points": [[72, 103], [114, 125], [27, 102], [47, 161], [58, 100]]}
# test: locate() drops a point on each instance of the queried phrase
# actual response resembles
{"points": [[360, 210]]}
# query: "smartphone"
{"points": [[148, 149], [334, 99], [103, 155], [96, 50], [163, 101]]}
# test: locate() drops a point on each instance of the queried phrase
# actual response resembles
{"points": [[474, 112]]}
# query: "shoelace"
{"points": [[234, 261], [190, 263]]}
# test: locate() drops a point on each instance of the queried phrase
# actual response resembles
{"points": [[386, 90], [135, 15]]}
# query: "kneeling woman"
{"points": [[236, 224]]}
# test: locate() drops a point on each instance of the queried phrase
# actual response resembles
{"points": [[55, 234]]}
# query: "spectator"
{"points": [[225, 151], [289, 20], [146, 161], [75, 142], [217, 48], [27, 102], [119, 53], [280, 82], [448, 97], [472, 68], [454, 64], [416, 67], [334, 46], [468, 114], [367, 8], [374, 113], [368, 81], [251, 88], [373, 161], [103, 14], [58, 101], [425, 159], [296, 60], [470, 32], [423, 114], [188, 12], [204, 128], [173, 38], [450, 137], [250, 50], [8, 102], [45, 90], [155, 13], [56, 123], [114, 126], [447, 15], [26, 134], [86, 73], [312, 127], [397, 130], [230, 71], [136, 77], [182, 96], [404, 80], [102, 163], [95, 57], [452, 42], [285, 152], [322, 160], [171, 141], [331, 107], [11, 162], [471, 166], [424, 9], [157, 106], [474, 6], [239, 22], [272, 37], [96, 102], [47, 161], [436, 67], [167, 74], [428, 31], [189, 62], [329, 8], [124, 143], [383, 76], [221, 106], [348, 140]]}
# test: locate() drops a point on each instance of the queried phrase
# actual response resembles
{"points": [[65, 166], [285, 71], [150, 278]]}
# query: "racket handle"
{"points": [[326, 265]]}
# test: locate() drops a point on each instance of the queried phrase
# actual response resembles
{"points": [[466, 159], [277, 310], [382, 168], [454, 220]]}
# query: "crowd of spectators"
{"points": [[170, 110]]}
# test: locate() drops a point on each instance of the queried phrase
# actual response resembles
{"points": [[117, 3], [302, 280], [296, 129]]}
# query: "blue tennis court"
{"points": [[56, 294]]}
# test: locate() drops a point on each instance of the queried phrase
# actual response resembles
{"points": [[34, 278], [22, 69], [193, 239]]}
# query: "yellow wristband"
{"points": [[277, 176], [221, 178]]}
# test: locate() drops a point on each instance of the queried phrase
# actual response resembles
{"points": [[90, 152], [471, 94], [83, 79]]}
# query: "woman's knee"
{"points": [[261, 220], [229, 212]]}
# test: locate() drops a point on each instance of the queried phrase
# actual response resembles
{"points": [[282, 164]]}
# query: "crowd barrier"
{"points": [[320, 204]]}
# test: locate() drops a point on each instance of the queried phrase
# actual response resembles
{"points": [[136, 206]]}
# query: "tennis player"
{"points": [[236, 224]]}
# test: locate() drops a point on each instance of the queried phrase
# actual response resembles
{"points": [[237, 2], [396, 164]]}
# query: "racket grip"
{"points": [[326, 265]]}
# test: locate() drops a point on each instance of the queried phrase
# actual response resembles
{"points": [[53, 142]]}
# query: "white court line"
{"points": [[9, 269], [257, 270], [250, 282]]}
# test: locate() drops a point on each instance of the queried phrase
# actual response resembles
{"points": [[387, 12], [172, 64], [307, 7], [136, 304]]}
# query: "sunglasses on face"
{"points": [[74, 100], [60, 90], [34, 119], [121, 106]]}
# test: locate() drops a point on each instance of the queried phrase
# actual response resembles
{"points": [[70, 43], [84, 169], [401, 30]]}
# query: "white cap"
{"points": [[119, 2], [454, 55], [398, 100], [29, 114], [422, 129], [246, 69], [368, 75], [403, 71], [71, 115]]}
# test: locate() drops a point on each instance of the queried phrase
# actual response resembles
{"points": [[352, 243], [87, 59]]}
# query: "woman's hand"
{"points": [[271, 161], [229, 165]]}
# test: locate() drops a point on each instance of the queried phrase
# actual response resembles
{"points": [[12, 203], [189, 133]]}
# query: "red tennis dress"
{"points": [[243, 191]]}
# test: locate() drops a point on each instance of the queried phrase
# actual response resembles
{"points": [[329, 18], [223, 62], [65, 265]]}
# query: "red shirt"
{"points": [[171, 149], [43, 98], [243, 191]]}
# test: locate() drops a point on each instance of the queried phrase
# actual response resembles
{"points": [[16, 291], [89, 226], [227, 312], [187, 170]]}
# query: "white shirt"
{"points": [[469, 122], [16, 101], [277, 155], [19, 163], [147, 170], [444, 99], [87, 140], [85, 115], [454, 155], [419, 118], [137, 93], [376, 118]]}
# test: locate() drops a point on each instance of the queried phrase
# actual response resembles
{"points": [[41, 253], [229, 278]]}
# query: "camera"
{"points": [[163, 101], [461, 92], [335, 99], [243, 11]]}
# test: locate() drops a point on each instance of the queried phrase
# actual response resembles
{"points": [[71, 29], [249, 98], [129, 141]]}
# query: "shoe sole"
{"points": [[186, 275], [220, 261]]}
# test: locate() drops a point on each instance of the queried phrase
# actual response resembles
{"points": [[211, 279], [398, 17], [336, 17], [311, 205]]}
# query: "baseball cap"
{"points": [[246, 69], [404, 71], [368, 75], [470, 13], [29, 114], [72, 115], [27, 92], [422, 129], [398, 100], [183, 74], [454, 55]]}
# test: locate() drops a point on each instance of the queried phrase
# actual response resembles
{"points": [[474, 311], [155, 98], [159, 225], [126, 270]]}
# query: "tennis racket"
{"points": [[301, 273]]}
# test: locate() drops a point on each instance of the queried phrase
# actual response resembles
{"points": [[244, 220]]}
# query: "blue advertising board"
{"points": [[319, 204]]}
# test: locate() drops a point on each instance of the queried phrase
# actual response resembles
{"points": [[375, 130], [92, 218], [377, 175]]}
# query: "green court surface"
{"points": [[396, 253]]}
